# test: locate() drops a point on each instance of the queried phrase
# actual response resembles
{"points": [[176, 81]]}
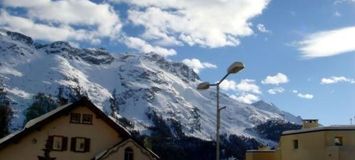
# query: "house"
{"points": [[78, 131], [312, 143]]}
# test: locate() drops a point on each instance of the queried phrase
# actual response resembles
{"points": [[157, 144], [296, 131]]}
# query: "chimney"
{"points": [[310, 123]]}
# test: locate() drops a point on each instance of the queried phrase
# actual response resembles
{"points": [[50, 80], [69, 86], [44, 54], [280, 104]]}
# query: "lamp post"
{"points": [[233, 68]]}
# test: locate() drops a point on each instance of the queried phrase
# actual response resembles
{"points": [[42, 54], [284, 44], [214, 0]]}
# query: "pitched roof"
{"points": [[38, 122], [319, 129], [106, 153]]}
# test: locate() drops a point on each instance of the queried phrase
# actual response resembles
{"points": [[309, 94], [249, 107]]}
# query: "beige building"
{"points": [[260, 155], [79, 131], [312, 143]]}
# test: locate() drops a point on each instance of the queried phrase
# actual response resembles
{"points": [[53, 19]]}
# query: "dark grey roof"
{"points": [[319, 129]]}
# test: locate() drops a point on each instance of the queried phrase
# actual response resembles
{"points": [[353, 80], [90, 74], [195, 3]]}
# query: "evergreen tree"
{"points": [[41, 104], [6, 112], [114, 104], [60, 96], [273, 129]]}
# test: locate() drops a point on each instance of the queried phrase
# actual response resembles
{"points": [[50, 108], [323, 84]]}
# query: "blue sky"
{"points": [[299, 54]]}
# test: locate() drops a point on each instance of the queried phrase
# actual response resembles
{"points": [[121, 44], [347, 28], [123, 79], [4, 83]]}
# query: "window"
{"points": [[295, 144], [80, 144], [338, 141], [87, 119], [58, 143], [75, 118], [81, 118], [128, 154]]}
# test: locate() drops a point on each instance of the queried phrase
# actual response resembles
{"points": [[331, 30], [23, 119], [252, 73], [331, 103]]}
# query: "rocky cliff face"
{"points": [[134, 86]]}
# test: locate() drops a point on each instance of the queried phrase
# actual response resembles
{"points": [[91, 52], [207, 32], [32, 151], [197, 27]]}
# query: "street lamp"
{"points": [[233, 68]]}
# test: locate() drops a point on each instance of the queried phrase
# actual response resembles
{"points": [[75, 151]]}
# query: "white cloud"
{"points": [[248, 85], [334, 79], [246, 98], [343, 1], [277, 79], [262, 28], [41, 31], [229, 85], [143, 46], [337, 14], [276, 90], [62, 20], [328, 43], [198, 22], [245, 85], [305, 96], [197, 65], [246, 90]]}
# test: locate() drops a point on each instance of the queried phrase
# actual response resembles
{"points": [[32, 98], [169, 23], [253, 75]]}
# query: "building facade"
{"points": [[77, 131], [261, 155], [312, 143]]}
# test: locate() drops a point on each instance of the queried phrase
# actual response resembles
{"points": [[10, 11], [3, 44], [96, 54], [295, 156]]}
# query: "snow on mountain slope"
{"points": [[272, 108], [141, 83]]}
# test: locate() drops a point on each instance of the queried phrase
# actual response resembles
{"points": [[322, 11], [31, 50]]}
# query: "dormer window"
{"points": [[128, 154], [81, 118], [87, 119], [75, 118]]}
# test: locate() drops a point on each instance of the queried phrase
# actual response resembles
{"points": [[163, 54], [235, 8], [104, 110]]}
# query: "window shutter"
{"points": [[65, 144], [87, 145], [50, 142], [72, 144]]}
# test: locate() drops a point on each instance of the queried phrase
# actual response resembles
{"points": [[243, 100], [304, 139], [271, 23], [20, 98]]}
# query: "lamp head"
{"points": [[235, 67], [203, 86]]}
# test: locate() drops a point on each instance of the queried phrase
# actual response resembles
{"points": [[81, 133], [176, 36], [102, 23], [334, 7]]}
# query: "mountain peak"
{"points": [[57, 47], [95, 56], [17, 36], [60, 44], [179, 68], [262, 103], [273, 108]]}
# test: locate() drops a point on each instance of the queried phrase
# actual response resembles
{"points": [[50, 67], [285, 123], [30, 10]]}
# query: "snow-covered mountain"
{"points": [[138, 85], [270, 107]]}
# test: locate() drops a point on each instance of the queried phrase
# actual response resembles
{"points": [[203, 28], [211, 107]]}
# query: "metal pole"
{"points": [[218, 118], [234, 68], [351, 121], [218, 124]]}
